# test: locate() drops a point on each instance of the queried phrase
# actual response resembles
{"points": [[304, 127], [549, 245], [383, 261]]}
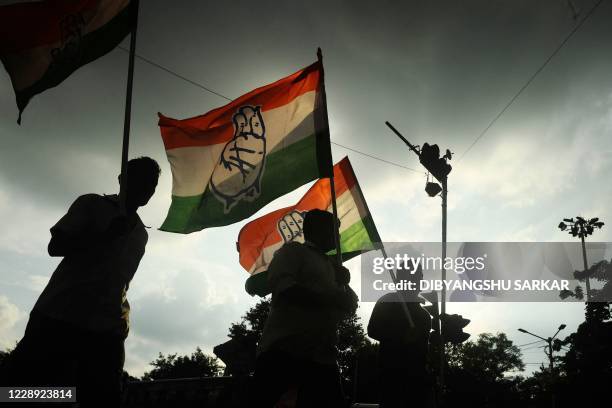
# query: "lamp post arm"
{"points": [[410, 145], [535, 335]]}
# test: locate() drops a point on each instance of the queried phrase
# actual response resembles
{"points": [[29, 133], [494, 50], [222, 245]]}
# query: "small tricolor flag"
{"points": [[43, 42], [233, 160], [260, 239]]}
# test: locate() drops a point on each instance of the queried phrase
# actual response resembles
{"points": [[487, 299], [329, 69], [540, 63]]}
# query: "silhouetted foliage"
{"points": [[174, 366], [127, 377], [490, 356], [598, 310], [364, 386], [478, 371], [587, 364], [252, 324], [601, 272], [534, 390], [351, 338], [4, 355]]}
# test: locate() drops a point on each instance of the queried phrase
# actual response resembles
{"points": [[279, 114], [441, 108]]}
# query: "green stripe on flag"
{"points": [[360, 237], [189, 214]]}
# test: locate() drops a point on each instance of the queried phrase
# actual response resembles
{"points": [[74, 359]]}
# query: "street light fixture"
{"points": [[558, 330], [548, 340]]}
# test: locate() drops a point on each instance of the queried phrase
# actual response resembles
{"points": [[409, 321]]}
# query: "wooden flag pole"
{"points": [[128, 112], [331, 176]]}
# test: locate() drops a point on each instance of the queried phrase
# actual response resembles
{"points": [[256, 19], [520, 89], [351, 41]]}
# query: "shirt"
{"points": [[89, 288], [304, 332]]}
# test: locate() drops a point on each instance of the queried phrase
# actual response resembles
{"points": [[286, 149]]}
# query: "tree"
{"points": [[238, 353], [128, 377], [598, 309], [490, 356], [478, 371], [174, 366], [587, 363], [534, 390], [3, 356], [351, 338], [252, 324]]}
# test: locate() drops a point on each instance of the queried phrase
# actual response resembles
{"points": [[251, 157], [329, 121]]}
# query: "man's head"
{"points": [[319, 229], [143, 173]]}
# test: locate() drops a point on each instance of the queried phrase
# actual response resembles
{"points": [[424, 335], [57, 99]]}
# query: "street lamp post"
{"points": [[582, 228], [549, 354], [429, 157]]}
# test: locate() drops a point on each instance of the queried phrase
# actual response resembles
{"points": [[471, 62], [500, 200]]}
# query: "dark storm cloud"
{"points": [[437, 69]]}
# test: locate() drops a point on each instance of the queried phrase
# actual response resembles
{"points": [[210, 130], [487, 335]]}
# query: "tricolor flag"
{"points": [[260, 239], [233, 160], [43, 42]]}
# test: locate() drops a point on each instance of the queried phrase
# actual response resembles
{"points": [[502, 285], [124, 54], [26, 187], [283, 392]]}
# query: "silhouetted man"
{"points": [[77, 327], [310, 296], [403, 350]]}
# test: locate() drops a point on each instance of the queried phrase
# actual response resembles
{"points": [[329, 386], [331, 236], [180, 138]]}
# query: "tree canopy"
{"points": [[175, 366], [479, 372], [490, 357]]}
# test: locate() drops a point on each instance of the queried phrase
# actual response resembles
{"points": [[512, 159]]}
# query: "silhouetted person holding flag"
{"points": [[76, 332], [310, 296], [403, 350]]}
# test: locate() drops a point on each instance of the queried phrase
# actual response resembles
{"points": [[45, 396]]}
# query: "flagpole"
{"points": [[331, 176], [383, 250], [335, 212], [128, 112]]}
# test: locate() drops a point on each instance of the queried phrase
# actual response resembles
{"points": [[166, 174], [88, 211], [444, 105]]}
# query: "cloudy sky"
{"points": [[438, 70]]}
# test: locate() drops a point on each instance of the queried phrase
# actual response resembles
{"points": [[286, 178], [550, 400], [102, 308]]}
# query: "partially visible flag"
{"points": [[233, 160], [43, 42], [260, 239]]}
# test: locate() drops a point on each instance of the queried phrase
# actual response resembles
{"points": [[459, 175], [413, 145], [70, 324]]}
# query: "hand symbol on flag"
{"points": [[291, 226], [238, 173]]}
